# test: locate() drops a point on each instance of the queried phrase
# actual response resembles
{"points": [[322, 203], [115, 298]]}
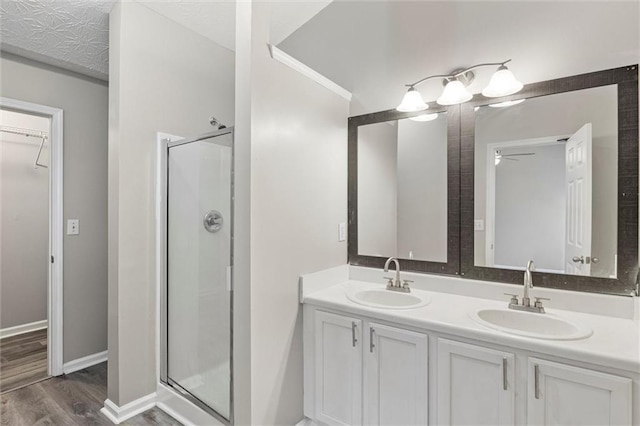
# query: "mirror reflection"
{"points": [[546, 183], [402, 189]]}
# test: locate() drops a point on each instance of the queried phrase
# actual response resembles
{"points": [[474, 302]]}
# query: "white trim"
{"points": [[55, 276], [23, 328], [84, 362], [118, 415], [176, 415], [296, 65], [306, 422], [160, 165], [181, 409]]}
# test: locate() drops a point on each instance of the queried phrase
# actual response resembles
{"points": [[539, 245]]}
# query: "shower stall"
{"points": [[196, 285]]}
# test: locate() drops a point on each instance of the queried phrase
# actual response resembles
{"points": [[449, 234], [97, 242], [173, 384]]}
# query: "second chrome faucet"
{"points": [[526, 300], [395, 284]]}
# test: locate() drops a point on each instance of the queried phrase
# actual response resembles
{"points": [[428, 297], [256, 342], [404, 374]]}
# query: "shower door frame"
{"points": [[167, 142]]}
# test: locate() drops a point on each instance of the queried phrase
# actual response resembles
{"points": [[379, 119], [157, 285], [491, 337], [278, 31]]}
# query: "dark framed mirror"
{"points": [[404, 189], [551, 175]]}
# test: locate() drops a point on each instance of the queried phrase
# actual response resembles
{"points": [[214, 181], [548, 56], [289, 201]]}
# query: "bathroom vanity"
{"points": [[369, 360]]}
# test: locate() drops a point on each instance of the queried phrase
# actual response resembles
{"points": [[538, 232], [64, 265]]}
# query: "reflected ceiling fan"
{"points": [[500, 156]]}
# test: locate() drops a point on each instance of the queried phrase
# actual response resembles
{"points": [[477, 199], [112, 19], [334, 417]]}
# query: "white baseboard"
{"points": [[173, 413], [306, 422], [23, 328], [84, 362], [118, 415]]}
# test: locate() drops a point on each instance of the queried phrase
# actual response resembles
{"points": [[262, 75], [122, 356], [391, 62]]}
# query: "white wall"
{"points": [[530, 205], [163, 77], [298, 134], [84, 102], [422, 189], [24, 222], [561, 114], [378, 189]]}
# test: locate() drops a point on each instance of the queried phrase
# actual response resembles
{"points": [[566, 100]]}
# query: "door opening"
{"points": [[31, 242]]}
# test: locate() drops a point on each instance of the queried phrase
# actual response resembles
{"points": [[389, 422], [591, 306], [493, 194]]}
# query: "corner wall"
{"points": [[84, 101], [164, 78], [298, 143]]}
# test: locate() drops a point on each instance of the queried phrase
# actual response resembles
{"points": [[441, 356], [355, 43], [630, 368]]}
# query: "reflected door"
{"points": [[578, 155], [198, 295]]}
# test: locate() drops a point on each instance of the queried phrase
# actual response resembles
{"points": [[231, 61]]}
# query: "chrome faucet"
{"points": [[528, 283], [526, 300], [395, 284]]}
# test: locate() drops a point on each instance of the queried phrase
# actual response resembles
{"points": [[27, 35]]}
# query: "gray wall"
{"points": [[378, 189], [530, 205], [561, 114], [24, 222], [84, 101], [163, 78]]}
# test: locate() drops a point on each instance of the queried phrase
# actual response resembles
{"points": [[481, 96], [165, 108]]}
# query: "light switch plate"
{"points": [[73, 226], [478, 225], [342, 232]]}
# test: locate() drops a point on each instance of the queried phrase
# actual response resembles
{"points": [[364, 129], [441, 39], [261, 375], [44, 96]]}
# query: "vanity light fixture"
{"points": [[502, 83], [454, 93], [412, 101]]}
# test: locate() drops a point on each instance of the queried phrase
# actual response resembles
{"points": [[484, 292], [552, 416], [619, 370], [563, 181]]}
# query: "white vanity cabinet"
{"points": [[359, 371], [368, 373], [476, 385], [338, 369], [395, 376], [560, 394]]}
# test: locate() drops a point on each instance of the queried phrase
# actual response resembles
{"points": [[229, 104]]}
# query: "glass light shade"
{"points": [[498, 157], [412, 102], [507, 103], [424, 117], [502, 83], [454, 93]]}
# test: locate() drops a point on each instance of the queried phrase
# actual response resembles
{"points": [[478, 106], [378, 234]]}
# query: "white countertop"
{"points": [[615, 342]]}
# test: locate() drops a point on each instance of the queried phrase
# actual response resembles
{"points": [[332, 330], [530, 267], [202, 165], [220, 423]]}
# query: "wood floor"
{"points": [[75, 399], [23, 359]]}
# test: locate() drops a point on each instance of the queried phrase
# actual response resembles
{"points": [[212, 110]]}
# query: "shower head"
{"points": [[215, 123]]}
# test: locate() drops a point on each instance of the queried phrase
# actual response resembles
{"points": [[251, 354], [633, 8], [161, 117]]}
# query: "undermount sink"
{"points": [[388, 299], [538, 326]]}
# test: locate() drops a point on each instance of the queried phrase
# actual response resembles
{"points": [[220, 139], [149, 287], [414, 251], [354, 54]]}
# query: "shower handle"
{"points": [[213, 221]]}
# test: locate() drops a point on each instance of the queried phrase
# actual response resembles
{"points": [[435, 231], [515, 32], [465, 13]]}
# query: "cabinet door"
{"points": [[338, 369], [559, 394], [476, 385], [395, 381]]}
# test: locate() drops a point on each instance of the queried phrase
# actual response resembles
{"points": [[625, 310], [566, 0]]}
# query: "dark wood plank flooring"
{"points": [[75, 399], [23, 360]]}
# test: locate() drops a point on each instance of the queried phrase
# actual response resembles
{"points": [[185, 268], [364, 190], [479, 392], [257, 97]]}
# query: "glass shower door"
{"points": [[198, 281]]}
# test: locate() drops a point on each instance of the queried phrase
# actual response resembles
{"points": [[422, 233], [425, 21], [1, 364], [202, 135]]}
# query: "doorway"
{"points": [[31, 243]]}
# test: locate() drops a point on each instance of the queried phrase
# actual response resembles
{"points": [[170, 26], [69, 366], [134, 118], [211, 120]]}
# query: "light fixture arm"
{"points": [[459, 73]]}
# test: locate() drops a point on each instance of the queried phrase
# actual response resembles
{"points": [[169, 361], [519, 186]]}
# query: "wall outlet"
{"points": [[342, 232], [478, 225], [73, 226]]}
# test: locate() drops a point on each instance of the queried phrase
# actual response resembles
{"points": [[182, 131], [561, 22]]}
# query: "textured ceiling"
{"points": [[74, 34]]}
